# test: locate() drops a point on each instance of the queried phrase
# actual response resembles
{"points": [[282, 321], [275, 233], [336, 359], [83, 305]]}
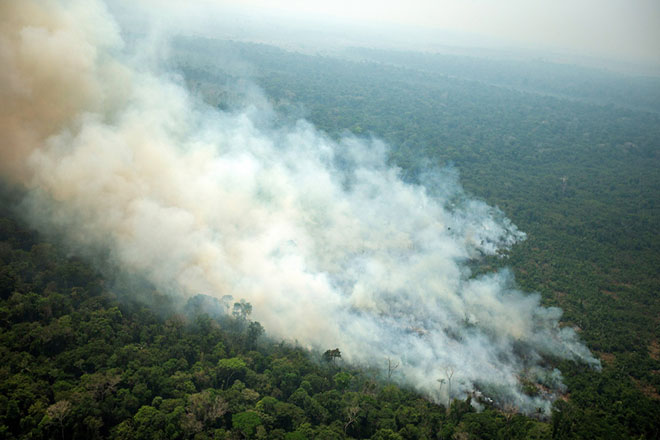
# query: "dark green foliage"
{"points": [[246, 423]]}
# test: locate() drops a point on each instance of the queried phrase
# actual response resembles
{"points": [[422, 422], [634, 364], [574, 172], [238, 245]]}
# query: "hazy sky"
{"points": [[619, 29]]}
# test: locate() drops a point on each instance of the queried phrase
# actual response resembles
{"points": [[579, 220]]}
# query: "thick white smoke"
{"points": [[324, 239]]}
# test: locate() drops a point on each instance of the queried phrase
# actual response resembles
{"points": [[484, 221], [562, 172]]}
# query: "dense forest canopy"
{"points": [[569, 154]]}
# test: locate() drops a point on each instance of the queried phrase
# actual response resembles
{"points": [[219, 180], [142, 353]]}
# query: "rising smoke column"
{"points": [[325, 240]]}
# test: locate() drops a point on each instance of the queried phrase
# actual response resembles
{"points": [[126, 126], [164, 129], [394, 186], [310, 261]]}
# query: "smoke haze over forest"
{"points": [[616, 34], [325, 239]]}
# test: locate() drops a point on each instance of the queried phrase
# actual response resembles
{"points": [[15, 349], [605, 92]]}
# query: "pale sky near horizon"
{"points": [[626, 30]]}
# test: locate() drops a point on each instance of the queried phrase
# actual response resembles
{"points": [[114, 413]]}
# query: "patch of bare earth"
{"points": [[608, 358], [610, 294], [646, 389], [654, 350]]}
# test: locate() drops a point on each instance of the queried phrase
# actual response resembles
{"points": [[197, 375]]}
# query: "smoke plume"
{"points": [[330, 246]]}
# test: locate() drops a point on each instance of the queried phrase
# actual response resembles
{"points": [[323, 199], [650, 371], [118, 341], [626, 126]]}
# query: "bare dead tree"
{"points": [[509, 410], [391, 366], [351, 414], [58, 412], [442, 383], [449, 372], [101, 385], [202, 410]]}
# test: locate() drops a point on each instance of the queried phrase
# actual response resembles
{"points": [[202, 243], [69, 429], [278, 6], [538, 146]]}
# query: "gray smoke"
{"points": [[228, 203]]}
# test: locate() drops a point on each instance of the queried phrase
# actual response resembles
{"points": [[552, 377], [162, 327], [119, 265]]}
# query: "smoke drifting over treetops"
{"points": [[324, 239]]}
